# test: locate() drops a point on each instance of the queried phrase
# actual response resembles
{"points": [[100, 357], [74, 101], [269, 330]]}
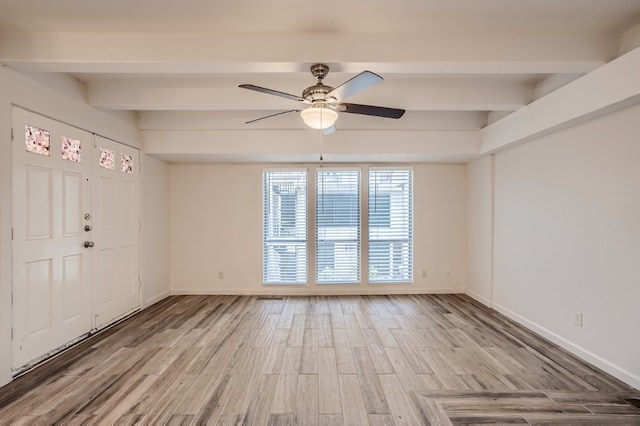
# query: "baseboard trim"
{"points": [[156, 299], [584, 354], [293, 291], [479, 298]]}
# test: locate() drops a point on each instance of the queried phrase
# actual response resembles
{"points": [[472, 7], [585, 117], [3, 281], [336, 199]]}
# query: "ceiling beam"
{"points": [[612, 87], [224, 120], [418, 94], [307, 145], [75, 52]]}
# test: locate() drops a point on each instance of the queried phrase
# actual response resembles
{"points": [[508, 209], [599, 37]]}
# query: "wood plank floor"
{"points": [[378, 360]]}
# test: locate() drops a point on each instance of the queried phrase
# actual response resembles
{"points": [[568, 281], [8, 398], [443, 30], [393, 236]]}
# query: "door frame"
{"points": [[15, 138]]}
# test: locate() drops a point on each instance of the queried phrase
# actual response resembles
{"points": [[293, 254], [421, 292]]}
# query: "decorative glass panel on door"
{"points": [[126, 163], [107, 158], [71, 149], [36, 140]]}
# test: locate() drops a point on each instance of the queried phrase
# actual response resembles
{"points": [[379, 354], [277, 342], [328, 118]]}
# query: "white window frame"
{"points": [[363, 241], [266, 241], [358, 240], [410, 267]]}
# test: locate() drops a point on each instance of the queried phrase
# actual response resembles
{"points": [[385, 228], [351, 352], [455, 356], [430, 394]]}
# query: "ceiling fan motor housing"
{"points": [[317, 93]]}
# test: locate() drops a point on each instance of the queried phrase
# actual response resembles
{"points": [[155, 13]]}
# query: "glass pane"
{"points": [[285, 227], [390, 256], [107, 158], [338, 226], [126, 163], [36, 140], [71, 149], [285, 263]]}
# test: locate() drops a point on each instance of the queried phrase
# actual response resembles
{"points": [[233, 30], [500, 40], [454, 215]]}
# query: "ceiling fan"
{"points": [[325, 102]]}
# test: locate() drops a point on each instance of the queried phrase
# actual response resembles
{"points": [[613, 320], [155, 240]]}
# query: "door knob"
{"points": [[88, 244]]}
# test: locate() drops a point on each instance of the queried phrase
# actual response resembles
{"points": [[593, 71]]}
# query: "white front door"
{"points": [[75, 234], [115, 232], [51, 266]]}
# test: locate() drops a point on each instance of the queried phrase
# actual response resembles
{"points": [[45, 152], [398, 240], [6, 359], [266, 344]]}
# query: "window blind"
{"points": [[337, 226], [285, 243], [390, 257]]}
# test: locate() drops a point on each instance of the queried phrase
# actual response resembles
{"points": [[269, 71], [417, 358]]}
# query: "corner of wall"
{"points": [[480, 199], [154, 233], [5, 235]]}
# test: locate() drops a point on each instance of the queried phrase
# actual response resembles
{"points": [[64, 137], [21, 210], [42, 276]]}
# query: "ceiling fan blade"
{"points": [[376, 111], [271, 115], [329, 130], [350, 87], [273, 92]]}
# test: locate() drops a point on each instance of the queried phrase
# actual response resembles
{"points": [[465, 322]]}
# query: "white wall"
{"points": [[216, 225], [61, 97], [480, 225], [154, 230], [567, 239], [5, 231]]}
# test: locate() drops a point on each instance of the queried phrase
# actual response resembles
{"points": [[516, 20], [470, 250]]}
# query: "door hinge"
{"points": [[12, 233], [12, 134], [139, 283]]}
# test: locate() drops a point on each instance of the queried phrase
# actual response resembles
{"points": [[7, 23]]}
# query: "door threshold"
{"points": [[72, 344]]}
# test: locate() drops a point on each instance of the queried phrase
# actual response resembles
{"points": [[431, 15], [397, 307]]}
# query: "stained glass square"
{"points": [[107, 158], [126, 163], [71, 149], [36, 140]]}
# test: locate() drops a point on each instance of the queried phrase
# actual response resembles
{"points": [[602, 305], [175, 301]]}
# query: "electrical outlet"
{"points": [[447, 275], [424, 273], [577, 319], [220, 275]]}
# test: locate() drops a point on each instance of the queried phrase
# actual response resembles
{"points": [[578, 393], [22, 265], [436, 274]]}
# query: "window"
{"points": [[390, 202], [337, 226], [285, 227], [339, 252]]}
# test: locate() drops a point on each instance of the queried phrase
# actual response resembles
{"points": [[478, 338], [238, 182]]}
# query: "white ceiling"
{"points": [[454, 65]]}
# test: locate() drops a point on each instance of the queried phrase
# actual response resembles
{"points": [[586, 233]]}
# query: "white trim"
{"points": [[584, 354], [478, 297], [492, 265], [333, 291], [155, 299], [391, 167]]}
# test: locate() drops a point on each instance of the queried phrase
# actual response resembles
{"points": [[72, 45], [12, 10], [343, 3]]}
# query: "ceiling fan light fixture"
{"points": [[319, 117]]}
